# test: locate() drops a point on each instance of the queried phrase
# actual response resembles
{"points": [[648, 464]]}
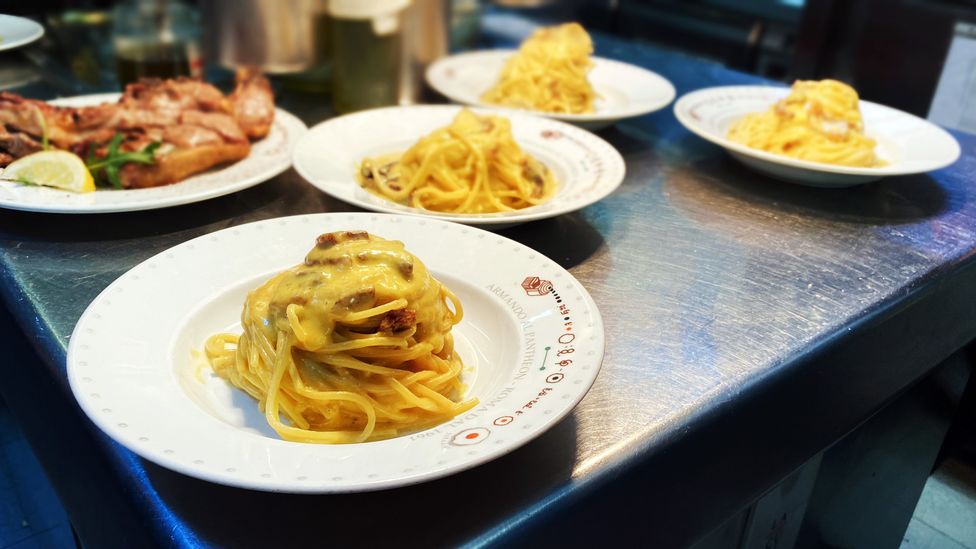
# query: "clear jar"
{"points": [[156, 38], [366, 38]]}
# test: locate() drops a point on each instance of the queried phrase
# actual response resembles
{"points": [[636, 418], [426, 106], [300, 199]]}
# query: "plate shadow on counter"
{"points": [[286, 194], [723, 187], [568, 239], [464, 503]]}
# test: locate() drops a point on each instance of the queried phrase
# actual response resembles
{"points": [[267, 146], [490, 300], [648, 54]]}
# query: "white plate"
{"points": [[269, 157], [586, 167], [906, 142], [18, 31], [131, 369], [624, 90]]}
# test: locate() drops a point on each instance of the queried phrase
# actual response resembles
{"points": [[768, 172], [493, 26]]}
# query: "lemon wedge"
{"points": [[59, 169]]}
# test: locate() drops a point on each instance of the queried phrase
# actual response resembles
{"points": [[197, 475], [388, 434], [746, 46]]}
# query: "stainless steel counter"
{"points": [[750, 323]]}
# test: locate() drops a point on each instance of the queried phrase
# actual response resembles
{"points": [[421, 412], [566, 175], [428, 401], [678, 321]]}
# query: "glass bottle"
{"points": [[366, 38], [156, 38]]}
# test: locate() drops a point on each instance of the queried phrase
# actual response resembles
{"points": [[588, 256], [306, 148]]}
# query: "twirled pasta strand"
{"points": [[473, 165], [548, 73], [353, 345], [818, 121]]}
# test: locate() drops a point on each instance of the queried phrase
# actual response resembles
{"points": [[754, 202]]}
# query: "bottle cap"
{"points": [[365, 9]]}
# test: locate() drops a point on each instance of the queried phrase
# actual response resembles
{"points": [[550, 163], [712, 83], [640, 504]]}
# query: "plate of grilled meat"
{"points": [[160, 143]]}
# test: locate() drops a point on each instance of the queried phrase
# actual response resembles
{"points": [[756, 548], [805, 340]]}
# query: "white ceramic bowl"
{"points": [[907, 143], [586, 167], [531, 339], [624, 90]]}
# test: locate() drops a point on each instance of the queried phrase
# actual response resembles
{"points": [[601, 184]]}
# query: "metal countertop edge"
{"points": [[110, 457], [580, 500], [566, 499]]}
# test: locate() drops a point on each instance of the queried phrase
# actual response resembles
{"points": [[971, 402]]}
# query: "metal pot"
{"points": [[278, 36]]}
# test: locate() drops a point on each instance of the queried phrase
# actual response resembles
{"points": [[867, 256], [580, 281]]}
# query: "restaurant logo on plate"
{"points": [[534, 285]]}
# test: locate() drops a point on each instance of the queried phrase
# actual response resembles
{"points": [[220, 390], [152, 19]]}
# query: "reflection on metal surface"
{"points": [[568, 239], [713, 275], [15, 72]]}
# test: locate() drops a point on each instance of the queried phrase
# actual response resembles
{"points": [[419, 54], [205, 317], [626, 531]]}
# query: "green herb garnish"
{"points": [[114, 160]]}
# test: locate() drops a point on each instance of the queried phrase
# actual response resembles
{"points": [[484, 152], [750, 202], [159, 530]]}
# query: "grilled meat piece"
{"points": [[17, 144], [176, 94], [253, 103], [198, 125], [65, 126], [398, 320], [180, 164]]}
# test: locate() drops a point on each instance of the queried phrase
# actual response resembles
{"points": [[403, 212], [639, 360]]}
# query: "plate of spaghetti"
{"points": [[816, 133], [335, 353], [479, 167], [553, 73]]}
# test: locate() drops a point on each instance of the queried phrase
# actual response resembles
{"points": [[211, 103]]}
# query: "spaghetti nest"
{"points": [[818, 121], [548, 73], [352, 345], [473, 165]]}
